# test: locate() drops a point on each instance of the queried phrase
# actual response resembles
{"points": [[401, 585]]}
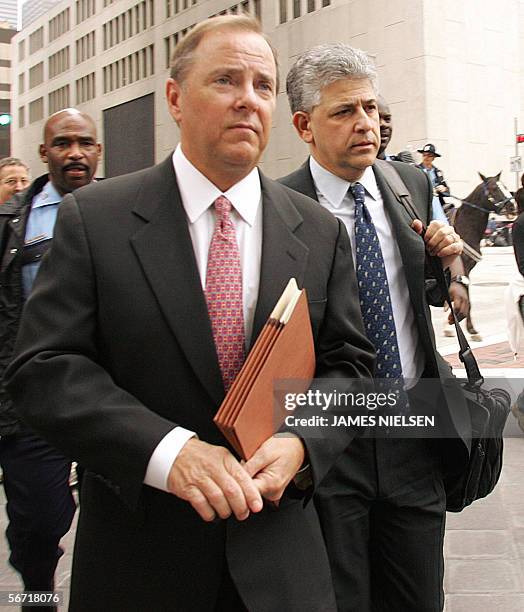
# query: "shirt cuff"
{"points": [[164, 455]]}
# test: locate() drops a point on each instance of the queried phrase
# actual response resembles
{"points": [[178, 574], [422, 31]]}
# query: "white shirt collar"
{"points": [[334, 188], [198, 193]]}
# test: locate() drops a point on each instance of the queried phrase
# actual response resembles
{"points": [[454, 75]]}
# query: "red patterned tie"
{"points": [[224, 293]]}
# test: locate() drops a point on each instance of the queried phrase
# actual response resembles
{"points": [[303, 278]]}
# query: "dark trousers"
{"points": [[228, 598], [382, 509], [40, 506]]}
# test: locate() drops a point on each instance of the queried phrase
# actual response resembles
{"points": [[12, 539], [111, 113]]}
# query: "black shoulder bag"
{"points": [[488, 409]]}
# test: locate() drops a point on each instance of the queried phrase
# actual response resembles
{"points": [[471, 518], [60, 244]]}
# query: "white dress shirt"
{"points": [[333, 194], [198, 195]]}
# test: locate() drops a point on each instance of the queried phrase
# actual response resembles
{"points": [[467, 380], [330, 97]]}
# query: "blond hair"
{"points": [[183, 55]]}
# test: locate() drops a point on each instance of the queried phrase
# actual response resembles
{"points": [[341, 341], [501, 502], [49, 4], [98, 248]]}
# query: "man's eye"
{"points": [[266, 85], [223, 80]]}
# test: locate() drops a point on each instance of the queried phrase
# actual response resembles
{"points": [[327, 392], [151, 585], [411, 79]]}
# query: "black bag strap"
{"points": [[400, 190]]}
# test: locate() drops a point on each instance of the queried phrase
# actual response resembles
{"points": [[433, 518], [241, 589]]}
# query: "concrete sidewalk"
{"points": [[484, 546], [496, 355]]}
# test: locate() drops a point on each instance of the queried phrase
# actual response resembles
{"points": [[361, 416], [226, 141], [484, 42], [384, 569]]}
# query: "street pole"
{"points": [[516, 152]]}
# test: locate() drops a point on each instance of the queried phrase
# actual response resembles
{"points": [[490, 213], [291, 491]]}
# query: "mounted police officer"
{"points": [[429, 152]]}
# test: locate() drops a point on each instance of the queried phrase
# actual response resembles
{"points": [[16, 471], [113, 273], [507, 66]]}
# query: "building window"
{"points": [[85, 88], [59, 62], [36, 110], [36, 75], [326, 3], [59, 99], [133, 21], [21, 83], [310, 6], [85, 47], [84, 10], [21, 50], [128, 69], [244, 8], [59, 25], [283, 10], [173, 7], [296, 9], [170, 42], [21, 116], [36, 40]]}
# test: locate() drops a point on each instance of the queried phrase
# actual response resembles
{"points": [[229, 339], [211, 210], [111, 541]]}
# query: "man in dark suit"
{"points": [[122, 363], [382, 506], [40, 504]]}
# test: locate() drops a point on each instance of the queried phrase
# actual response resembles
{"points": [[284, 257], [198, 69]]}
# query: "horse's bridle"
{"points": [[496, 207]]}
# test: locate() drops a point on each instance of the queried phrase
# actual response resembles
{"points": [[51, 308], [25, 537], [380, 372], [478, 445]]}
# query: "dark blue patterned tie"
{"points": [[375, 300]]}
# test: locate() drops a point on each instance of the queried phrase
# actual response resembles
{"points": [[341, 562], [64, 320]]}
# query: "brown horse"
{"points": [[471, 219]]}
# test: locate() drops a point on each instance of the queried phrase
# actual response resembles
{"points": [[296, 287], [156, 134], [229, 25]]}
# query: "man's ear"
{"points": [[42, 151], [302, 123], [173, 95]]}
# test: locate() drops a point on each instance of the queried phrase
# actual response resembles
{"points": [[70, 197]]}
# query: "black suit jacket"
{"points": [[116, 347], [13, 221], [456, 422]]}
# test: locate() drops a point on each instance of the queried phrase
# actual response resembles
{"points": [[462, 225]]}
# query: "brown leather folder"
{"points": [[252, 410]]}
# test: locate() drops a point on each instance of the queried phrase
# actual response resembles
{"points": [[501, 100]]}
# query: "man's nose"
{"points": [[364, 122], [20, 186], [248, 97], [75, 151]]}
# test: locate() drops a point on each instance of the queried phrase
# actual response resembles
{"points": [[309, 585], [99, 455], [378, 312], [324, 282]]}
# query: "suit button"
{"points": [[13, 251], [16, 220]]}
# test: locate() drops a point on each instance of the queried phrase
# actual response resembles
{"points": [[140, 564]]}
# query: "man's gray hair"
{"points": [[322, 65]]}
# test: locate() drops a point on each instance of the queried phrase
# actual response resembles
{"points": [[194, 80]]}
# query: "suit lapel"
{"points": [[165, 251], [302, 181], [283, 255], [411, 245], [166, 254]]}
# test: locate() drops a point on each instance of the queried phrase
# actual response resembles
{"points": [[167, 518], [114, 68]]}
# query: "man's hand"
{"points": [[213, 482], [274, 465], [441, 240], [459, 296]]}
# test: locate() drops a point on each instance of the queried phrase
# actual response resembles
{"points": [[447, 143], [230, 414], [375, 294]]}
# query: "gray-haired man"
{"points": [[383, 505]]}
